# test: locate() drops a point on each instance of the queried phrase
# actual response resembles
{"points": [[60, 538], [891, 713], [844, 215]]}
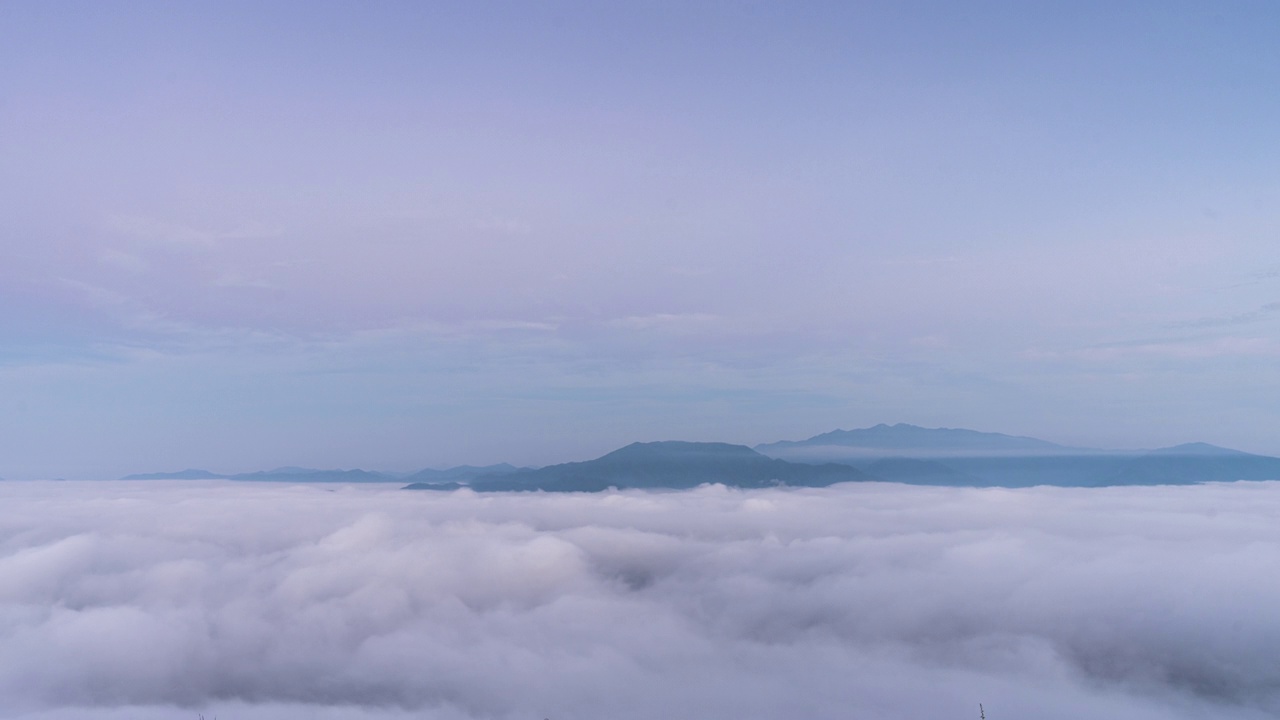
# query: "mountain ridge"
{"points": [[972, 458], [671, 464], [903, 436], [900, 453]]}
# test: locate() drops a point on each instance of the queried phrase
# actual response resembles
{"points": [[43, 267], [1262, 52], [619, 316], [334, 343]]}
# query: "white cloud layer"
{"points": [[164, 600]]}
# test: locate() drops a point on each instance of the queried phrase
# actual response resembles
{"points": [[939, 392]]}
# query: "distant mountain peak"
{"points": [[454, 476], [669, 465], [1197, 448], [907, 439], [679, 448]]}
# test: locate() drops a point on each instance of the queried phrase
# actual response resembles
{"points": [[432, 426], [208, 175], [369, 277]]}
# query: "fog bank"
{"points": [[161, 600]]}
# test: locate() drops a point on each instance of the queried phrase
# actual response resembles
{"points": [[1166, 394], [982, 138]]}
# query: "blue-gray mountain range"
{"points": [[946, 456], [666, 465], [891, 453]]}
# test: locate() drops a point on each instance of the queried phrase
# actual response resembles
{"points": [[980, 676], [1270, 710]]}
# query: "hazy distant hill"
{"points": [[1195, 463], [188, 474], [946, 456], [669, 465], [460, 474], [913, 441], [894, 453], [311, 475]]}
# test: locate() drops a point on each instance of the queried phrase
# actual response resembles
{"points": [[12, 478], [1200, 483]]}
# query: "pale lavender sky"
{"points": [[240, 235]]}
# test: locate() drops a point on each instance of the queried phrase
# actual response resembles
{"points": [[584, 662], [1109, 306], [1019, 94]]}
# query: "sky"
{"points": [[155, 600], [398, 235]]}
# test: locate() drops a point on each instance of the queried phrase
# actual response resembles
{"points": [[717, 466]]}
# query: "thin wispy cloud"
{"points": [[833, 215], [1244, 318], [667, 322]]}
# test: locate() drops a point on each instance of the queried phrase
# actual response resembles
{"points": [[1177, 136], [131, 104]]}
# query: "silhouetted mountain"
{"points": [[189, 474], [669, 465], [459, 474]]}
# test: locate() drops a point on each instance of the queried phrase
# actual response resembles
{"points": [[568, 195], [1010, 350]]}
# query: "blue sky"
{"points": [[239, 235]]}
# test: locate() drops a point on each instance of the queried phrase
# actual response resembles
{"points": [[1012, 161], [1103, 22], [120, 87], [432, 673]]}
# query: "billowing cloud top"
{"points": [[164, 600]]}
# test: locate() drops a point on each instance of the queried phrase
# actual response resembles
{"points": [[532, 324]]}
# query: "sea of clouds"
{"points": [[862, 601]]}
